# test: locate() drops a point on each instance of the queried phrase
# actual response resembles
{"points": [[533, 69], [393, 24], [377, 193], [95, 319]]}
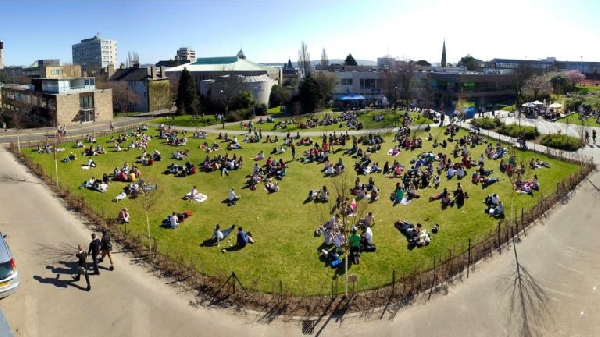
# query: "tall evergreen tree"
{"points": [[310, 95], [187, 98], [350, 61]]}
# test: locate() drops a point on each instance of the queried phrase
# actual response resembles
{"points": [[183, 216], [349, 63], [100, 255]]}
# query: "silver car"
{"points": [[9, 277]]}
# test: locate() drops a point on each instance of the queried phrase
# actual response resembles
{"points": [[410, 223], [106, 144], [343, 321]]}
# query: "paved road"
{"points": [[557, 294]]}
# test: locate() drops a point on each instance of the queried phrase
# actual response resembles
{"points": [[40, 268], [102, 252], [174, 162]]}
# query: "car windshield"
{"points": [[5, 270]]}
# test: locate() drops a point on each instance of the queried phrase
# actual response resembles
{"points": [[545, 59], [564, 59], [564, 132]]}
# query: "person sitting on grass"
{"points": [[497, 211], [219, 234], [123, 216], [271, 187], [232, 198], [174, 220], [243, 238]]}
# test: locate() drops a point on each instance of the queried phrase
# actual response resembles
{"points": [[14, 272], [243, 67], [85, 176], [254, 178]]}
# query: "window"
{"points": [[346, 81]]}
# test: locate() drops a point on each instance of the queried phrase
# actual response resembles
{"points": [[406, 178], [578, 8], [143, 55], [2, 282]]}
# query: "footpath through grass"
{"points": [[283, 225]]}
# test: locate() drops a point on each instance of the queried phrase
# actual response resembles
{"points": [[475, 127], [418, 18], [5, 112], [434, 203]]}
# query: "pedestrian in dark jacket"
{"points": [[106, 248], [94, 251], [82, 266]]}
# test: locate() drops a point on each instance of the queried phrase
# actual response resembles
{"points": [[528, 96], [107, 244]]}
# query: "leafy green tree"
{"points": [[470, 63], [187, 98], [310, 95], [280, 95], [559, 82], [350, 61], [423, 63], [326, 84], [244, 100]]}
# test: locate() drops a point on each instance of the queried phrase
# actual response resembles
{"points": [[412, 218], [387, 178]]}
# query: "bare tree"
{"points": [[133, 58], [304, 60], [406, 81], [537, 84], [150, 195], [124, 98], [228, 89], [324, 59]]}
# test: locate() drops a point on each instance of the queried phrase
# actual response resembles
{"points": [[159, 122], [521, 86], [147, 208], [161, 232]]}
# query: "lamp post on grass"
{"points": [[395, 104]]}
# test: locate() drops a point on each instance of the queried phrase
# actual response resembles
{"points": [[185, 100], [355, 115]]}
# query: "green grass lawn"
{"points": [[186, 120], [283, 224], [368, 120], [574, 119]]}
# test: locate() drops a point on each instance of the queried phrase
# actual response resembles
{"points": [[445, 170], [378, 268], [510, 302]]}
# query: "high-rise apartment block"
{"points": [[1, 54], [186, 54], [95, 53]]}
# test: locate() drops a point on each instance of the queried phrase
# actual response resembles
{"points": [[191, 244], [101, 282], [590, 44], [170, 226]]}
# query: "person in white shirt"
{"points": [[460, 173], [232, 198], [495, 199], [219, 234], [369, 220], [367, 236], [174, 220]]}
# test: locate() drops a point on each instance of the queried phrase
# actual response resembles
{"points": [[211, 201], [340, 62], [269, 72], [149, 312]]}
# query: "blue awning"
{"points": [[353, 98]]}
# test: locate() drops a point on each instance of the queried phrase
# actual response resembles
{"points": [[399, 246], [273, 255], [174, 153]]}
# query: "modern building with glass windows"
{"points": [[95, 53], [58, 101]]}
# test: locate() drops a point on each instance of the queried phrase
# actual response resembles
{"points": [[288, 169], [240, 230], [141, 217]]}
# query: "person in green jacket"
{"points": [[354, 242]]}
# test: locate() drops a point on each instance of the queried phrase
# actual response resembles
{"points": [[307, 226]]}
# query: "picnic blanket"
{"points": [[199, 197], [392, 153]]}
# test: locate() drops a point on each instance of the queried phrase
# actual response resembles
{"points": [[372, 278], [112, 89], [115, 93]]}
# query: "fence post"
{"points": [[393, 281], [469, 258], [233, 281], [281, 287], [498, 238], [155, 246]]}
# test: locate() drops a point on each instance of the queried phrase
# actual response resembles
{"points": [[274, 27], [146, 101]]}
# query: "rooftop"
{"points": [[221, 63]]}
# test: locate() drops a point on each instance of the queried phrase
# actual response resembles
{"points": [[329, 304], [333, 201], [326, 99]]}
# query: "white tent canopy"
{"points": [[528, 105], [555, 105], [538, 103]]}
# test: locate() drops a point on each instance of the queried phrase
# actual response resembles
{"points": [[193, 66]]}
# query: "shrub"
{"points": [[516, 131], [509, 108], [563, 142], [487, 123]]}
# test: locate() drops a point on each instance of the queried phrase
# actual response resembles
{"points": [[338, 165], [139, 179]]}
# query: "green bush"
{"points": [[563, 142], [509, 108], [515, 131], [487, 123]]}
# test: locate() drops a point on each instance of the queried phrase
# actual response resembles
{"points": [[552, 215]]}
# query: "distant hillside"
{"points": [[317, 62]]}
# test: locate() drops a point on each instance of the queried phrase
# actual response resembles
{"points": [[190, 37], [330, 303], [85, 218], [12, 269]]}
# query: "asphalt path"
{"points": [[553, 292]]}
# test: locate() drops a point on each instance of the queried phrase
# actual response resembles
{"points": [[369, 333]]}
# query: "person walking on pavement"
{"points": [[106, 247], [594, 136], [587, 137], [94, 251], [82, 266]]}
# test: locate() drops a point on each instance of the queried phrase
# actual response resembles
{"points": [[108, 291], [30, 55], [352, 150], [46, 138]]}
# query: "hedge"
{"points": [[487, 123], [516, 131], [561, 141]]}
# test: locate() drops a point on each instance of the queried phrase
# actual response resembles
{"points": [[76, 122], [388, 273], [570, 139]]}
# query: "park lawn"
{"points": [[368, 120], [186, 121], [283, 224], [574, 119]]}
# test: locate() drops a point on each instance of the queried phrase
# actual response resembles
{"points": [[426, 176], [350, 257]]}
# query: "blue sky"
{"points": [[272, 30]]}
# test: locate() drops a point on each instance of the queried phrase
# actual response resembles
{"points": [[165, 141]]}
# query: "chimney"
{"points": [[153, 72], [162, 72], [1, 54]]}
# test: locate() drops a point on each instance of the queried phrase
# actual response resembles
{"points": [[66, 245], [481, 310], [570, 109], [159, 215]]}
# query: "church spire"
{"points": [[444, 54]]}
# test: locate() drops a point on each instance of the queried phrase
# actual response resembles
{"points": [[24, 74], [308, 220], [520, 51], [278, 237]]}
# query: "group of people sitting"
{"points": [[126, 173], [458, 197], [223, 163], [181, 170], [415, 235], [335, 237], [493, 205], [100, 185], [172, 221]]}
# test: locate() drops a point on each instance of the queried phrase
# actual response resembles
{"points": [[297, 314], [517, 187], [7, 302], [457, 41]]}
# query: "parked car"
{"points": [[9, 277]]}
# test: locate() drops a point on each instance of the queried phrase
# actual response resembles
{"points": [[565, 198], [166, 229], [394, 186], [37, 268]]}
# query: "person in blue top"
{"points": [[242, 238]]}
